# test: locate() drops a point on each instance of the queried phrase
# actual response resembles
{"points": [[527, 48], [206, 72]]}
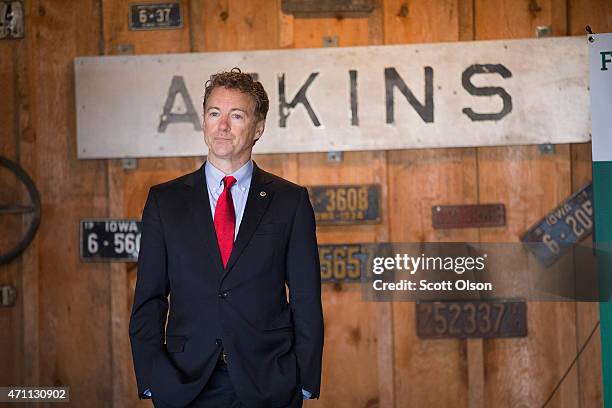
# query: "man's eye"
{"points": [[237, 116], [213, 114]]}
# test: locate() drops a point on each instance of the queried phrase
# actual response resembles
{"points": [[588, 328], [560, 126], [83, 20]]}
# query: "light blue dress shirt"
{"points": [[240, 189]]}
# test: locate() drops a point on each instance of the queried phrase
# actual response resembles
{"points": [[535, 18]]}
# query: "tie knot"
{"points": [[228, 181]]}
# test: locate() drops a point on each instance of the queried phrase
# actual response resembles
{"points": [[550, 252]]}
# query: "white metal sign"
{"points": [[600, 79], [483, 93]]}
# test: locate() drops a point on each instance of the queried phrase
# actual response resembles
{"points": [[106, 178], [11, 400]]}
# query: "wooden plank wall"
{"points": [[70, 322]]}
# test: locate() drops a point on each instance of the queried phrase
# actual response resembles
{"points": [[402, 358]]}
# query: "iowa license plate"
{"points": [[563, 227], [346, 204], [110, 239]]}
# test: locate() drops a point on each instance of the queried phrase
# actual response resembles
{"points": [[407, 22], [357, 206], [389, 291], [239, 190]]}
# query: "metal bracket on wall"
{"points": [[129, 163], [11, 20], [330, 41], [543, 31], [547, 148], [8, 295], [125, 49], [334, 157]]}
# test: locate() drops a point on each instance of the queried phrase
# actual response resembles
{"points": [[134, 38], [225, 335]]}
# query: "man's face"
{"points": [[230, 125]]}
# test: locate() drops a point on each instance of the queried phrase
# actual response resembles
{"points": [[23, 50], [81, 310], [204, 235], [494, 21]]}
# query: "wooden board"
{"points": [[417, 181], [10, 322], [74, 314], [358, 343], [128, 188], [353, 342]]}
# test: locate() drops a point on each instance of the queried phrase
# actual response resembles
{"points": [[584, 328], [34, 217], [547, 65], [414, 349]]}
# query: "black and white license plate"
{"points": [[563, 227], [155, 16], [486, 318], [110, 239]]}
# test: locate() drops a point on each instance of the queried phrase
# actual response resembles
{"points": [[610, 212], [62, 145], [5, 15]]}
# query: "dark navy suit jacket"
{"points": [[274, 344]]}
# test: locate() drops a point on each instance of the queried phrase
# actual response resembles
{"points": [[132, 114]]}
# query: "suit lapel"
{"points": [[258, 200], [204, 228]]}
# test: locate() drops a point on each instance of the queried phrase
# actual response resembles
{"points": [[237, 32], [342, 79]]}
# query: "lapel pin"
{"points": [[262, 193]]}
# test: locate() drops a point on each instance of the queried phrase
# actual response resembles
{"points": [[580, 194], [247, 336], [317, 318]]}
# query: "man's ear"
{"points": [[259, 129]]}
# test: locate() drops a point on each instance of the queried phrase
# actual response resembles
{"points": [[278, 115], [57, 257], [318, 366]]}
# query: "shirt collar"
{"points": [[214, 176]]}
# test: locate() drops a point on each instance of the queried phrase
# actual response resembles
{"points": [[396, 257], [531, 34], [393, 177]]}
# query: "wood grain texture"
{"points": [[421, 21], [19, 324], [596, 13], [530, 184], [515, 18], [74, 313], [352, 337], [27, 147], [233, 25], [589, 367], [10, 191], [358, 339], [418, 180], [523, 372], [128, 189]]}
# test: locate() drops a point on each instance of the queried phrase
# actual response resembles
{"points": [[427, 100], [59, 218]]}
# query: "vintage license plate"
{"points": [[564, 226], [110, 239], [344, 262], [468, 216], [346, 204], [303, 8], [155, 16], [490, 318]]}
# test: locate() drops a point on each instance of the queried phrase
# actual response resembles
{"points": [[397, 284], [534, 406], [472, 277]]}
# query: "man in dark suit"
{"points": [[223, 243]]}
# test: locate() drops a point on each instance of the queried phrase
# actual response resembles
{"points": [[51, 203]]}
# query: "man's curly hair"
{"points": [[236, 79]]}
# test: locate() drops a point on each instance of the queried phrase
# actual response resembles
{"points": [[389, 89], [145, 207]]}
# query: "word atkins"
{"points": [[392, 81]]}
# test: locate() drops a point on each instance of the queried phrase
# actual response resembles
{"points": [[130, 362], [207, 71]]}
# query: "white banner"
{"points": [[484, 93], [600, 80]]}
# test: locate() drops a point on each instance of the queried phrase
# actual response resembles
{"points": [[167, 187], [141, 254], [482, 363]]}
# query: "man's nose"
{"points": [[224, 123]]}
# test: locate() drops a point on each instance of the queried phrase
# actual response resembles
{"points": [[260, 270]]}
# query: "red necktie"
{"points": [[225, 220]]}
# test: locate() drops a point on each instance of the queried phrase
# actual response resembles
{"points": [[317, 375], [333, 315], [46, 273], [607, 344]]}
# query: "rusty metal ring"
{"points": [[34, 208]]}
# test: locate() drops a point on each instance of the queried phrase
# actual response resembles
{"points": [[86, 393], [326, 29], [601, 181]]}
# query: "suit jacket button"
{"points": [[223, 295]]}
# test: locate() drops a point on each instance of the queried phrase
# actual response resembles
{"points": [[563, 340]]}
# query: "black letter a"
{"points": [[191, 116]]}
